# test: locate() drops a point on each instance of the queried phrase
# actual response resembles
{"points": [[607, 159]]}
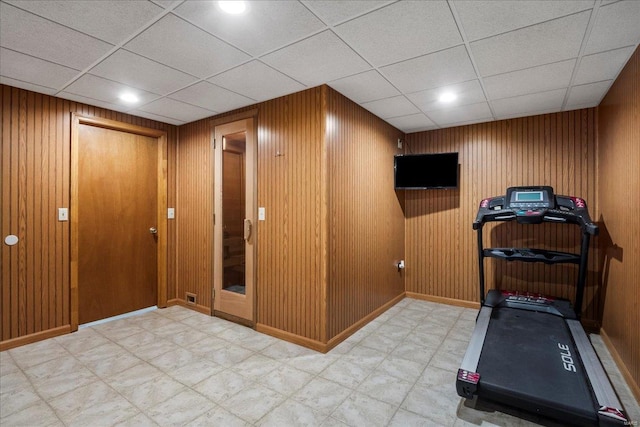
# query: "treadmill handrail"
{"points": [[603, 391]]}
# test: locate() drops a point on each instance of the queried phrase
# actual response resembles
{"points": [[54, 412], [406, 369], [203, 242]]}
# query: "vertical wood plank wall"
{"points": [[194, 214], [291, 242], [366, 221], [553, 149], [304, 246], [290, 287], [619, 192], [35, 182]]}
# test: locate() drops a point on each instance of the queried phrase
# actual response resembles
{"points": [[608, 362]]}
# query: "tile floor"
{"points": [[176, 367]]}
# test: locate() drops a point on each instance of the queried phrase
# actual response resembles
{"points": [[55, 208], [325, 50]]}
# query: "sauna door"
{"points": [[235, 225]]}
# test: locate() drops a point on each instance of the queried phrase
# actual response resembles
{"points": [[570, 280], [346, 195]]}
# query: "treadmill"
{"points": [[530, 351]]}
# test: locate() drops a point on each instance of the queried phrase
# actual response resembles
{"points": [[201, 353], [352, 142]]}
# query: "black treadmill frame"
{"points": [[607, 408]]}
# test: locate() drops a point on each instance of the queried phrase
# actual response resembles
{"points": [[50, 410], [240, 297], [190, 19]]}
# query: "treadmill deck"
{"points": [[529, 360]]}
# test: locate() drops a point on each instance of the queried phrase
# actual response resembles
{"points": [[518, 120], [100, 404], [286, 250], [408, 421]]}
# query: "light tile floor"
{"points": [[177, 367]]}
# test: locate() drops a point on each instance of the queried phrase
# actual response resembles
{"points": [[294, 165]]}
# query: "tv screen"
{"points": [[422, 171]]}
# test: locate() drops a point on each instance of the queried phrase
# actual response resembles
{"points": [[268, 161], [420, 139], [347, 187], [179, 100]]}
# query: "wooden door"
{"points": [[235, 227], [116, 210]]}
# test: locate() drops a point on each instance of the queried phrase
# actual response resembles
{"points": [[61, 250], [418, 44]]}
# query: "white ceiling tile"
{"points": [[466, 93], [111, 21], [91, 101], [212, 97], [364, 87], [26, 85], [182, 46], [529, 104], [107, 91], [176, 110], [530, 80], [333, 12], [156, 117], [484, 18], [167, 3], [134, 70], [434, 70], [432, 28], [617, 25], [412, 123], [318, 59], [391, 107], [265, 26], [602, 66], [540, 44], [30, 34], [257, 81], [588, 95], [18, 66], [458, 114]]}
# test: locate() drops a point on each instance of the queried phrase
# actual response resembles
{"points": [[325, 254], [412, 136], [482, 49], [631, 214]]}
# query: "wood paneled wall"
{"points": [[291, 257], [35, 182], [365, 217], [327, 248], [553, 149], [619, 195], [292, 241], [194, 214]]}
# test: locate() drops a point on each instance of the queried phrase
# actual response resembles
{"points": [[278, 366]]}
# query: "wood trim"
{"points": [[121, 126], [162, 220], [444, 300], [74, 302], [76, 121], [324, 220], [35, 337], [292, 338], [248, 114], [234, 319], [195, 307], [333, 342], [626, 374]]}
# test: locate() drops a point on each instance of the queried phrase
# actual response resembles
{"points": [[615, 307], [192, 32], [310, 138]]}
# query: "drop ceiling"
{"points": [[187, 60]]}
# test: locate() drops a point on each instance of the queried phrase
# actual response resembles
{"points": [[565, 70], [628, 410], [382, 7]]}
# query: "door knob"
{"points": [[153, 230]]}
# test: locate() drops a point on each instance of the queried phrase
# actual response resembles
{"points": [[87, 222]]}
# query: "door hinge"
{"points": [[213, 141], [213, 297]]}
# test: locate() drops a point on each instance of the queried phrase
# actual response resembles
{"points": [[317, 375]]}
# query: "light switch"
{"points": [[171, 213], [261, 214], [63, 214]]}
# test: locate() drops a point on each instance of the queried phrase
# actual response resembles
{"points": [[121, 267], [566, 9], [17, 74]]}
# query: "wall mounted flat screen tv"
{"points": [[424, 171]]}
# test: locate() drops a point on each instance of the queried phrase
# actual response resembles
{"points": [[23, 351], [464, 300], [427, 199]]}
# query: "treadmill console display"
{"points": [[533, 205], [530, 198]]}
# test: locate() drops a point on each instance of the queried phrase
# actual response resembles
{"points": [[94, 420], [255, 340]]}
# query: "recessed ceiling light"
{"points": [[129, 98], [233, 7], [447, 97]]}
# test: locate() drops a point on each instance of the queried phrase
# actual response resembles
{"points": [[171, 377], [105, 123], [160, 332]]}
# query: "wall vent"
{"points": [[191, 298]]}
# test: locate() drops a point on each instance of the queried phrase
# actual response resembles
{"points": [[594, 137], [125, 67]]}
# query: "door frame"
{"points": [[161, 137], [250, 199]]}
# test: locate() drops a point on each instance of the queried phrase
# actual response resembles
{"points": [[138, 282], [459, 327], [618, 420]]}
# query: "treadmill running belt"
{"points": [[529, 361]]}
